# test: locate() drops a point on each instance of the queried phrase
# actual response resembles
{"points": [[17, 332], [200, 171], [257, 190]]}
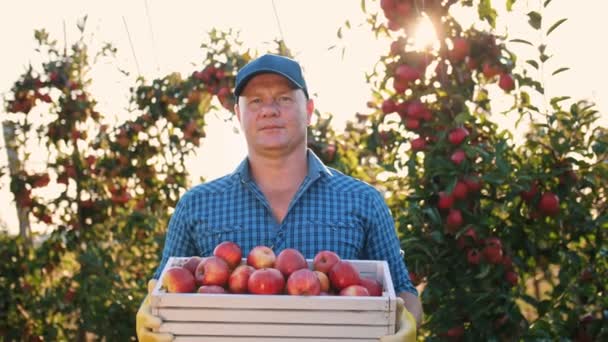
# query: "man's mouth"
{"points": [[269, 127]]}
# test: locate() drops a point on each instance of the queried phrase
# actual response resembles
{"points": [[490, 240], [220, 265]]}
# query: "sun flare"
{"points": [[424, 37]]}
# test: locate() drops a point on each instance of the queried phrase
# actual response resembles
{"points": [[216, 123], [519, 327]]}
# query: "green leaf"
{"points": [[510, 5], [554, 26], [433, 214], [462, 118], [363, 6], [543, 58], [437, 237], [555, 100], [559, 70], [533, 63], [486, 12], [525, 99], [340, 33], [535, 20], [521, 41], [485, 270], [347, 24], [82, 23], [547, 3]]}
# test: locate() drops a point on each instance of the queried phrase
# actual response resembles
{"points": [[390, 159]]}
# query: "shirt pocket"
{"points": [[344, 236], [209, 235]]}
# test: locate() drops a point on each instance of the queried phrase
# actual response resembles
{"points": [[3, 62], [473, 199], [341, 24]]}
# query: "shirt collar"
{"points": [[316, 168]]}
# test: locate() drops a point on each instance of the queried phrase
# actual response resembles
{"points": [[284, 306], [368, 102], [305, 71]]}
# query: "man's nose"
{"points": [[270, 108]]}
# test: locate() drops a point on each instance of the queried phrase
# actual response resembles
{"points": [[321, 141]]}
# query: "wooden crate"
{"points": [[285, 318]]}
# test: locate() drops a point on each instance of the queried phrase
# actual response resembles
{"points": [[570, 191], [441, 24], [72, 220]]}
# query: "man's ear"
{"points": [[237, 110], [310, 108]]}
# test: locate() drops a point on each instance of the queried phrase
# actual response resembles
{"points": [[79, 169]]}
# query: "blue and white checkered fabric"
{"points": [[330, 211]]}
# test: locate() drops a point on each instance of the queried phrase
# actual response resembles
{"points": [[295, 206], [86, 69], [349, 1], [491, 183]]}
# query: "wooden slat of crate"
{"points": [[268, 339], [245, 301], [269, 329], [276, 316]]}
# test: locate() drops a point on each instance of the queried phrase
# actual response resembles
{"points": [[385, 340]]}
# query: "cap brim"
{"points": [[241, 86]]}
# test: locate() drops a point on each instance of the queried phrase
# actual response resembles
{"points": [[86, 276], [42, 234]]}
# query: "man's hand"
{"points": [[146, 322], [406, 326]]}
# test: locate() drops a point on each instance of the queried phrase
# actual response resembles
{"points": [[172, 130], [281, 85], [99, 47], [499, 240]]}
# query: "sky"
{"points": [[156, 37]]}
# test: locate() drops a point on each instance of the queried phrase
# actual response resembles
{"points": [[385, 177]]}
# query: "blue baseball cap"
{"points": [[270, 63]]}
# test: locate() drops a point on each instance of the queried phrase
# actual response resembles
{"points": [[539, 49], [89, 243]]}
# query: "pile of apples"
{"points": [[269, 274]]}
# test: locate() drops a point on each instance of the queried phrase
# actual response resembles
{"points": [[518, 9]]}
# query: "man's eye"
{"points": [[255, 101], [285, 100]]}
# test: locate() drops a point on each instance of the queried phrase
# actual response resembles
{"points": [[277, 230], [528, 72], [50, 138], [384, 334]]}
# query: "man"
{"points": [[282, 195]]}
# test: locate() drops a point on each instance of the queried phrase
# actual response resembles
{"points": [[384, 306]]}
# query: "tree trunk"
{"points": [[14, 167]]}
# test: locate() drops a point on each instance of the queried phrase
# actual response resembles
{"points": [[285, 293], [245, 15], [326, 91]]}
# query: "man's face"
{"points": [[273, 116]]}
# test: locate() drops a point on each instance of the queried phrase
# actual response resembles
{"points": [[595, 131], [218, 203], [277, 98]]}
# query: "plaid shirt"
{"points": [[330, 211]]}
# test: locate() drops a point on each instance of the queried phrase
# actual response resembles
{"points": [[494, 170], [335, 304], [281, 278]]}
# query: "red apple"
{"points": [[458, 157], [454, 220], [412, 124], [324, 261], [343, 274], [402, 108], [549, 204], [506, 82], [403, 8], [456, 332], [323, 280], [460, 190], [407, 73], [489, 70], [416, 109], [445, 201], [529, 195], [469, 234], [511, 277], [388, 106], [418, 144], [426, 115], [266, 281], [289, 261], [354, 290], [303, 282], [457, 135], [473, 183], [493, 250], [460, 49], [492, 241], [393, 25], [212, 271], [211, 289], [400, 85], [191, 264], [230, 252], [178, 280], [237, 283], [414, 278], [374, 288], [261, 257], [396, 48], [473, 256]]}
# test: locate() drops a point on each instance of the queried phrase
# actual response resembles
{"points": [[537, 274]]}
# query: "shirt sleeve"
{"points": [[382, 243], [179, 241]]}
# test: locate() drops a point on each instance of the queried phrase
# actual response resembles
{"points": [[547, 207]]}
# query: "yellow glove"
{"points": [[406, 326], [146, 322]]}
